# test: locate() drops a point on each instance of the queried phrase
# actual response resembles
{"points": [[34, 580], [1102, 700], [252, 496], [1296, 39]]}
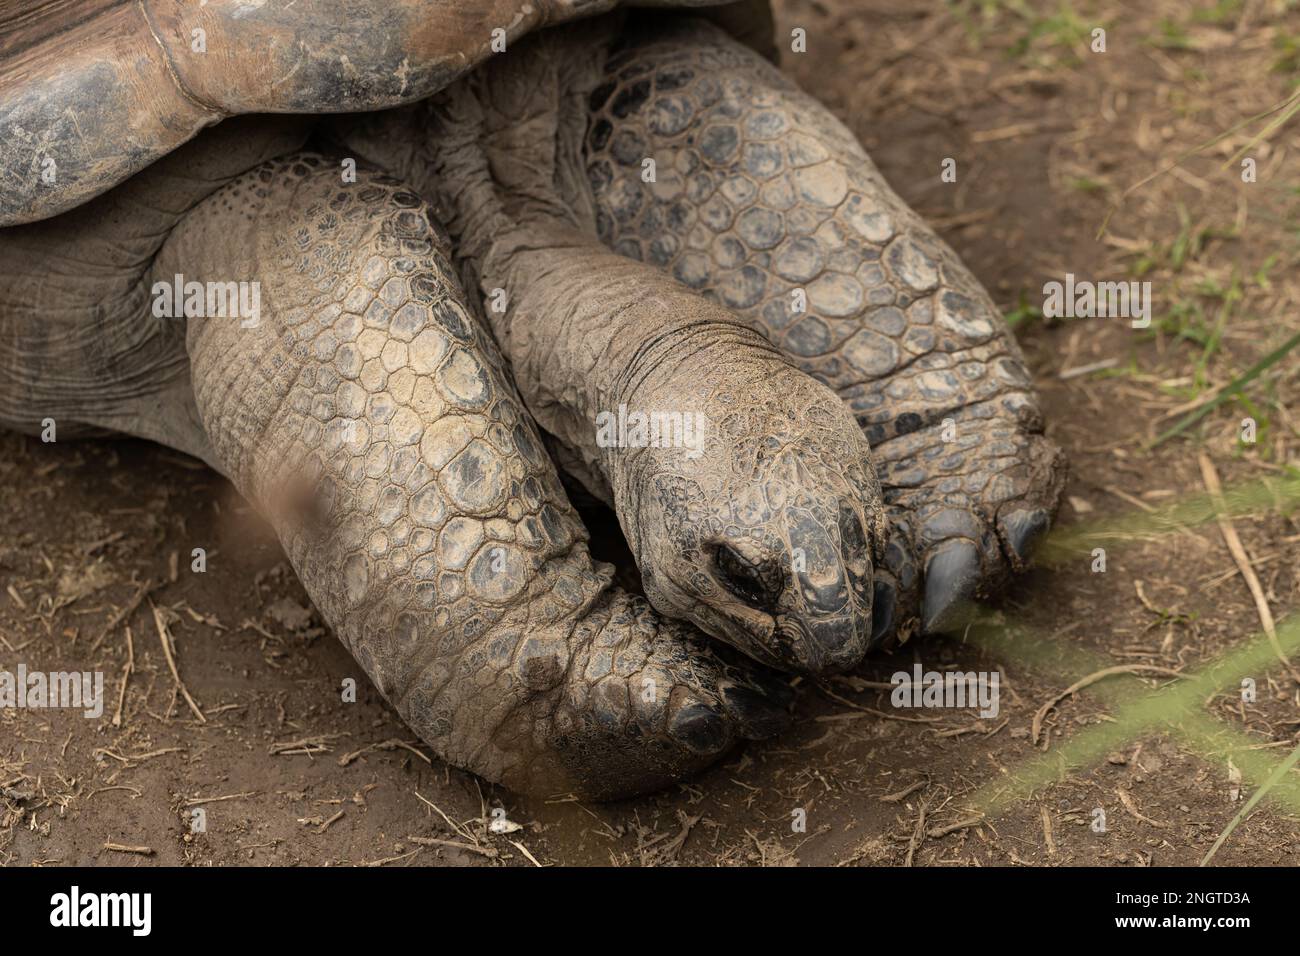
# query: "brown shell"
{"points": [[92, 91]]}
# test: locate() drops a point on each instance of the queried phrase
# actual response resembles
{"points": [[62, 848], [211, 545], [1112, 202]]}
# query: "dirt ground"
{"points": [[1046, 135]]}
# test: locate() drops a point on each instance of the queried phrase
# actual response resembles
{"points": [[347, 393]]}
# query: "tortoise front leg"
{"points": [[765, 202], [369, 415], [762, 532]]}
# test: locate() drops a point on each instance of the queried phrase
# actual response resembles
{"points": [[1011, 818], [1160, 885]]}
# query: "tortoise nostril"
{"points": [[757, 586]]}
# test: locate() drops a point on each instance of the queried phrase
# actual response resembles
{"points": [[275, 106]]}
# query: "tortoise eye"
{"points": [[743, 579]]}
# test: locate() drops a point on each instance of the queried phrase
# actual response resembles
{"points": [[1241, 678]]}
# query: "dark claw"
{"points": [[772, 687], [700, 729], [1021, 530], [884, 599], [757, 716], [951, 576]]}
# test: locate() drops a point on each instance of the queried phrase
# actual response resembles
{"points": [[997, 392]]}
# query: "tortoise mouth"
{"points": [[806, 623], [793, 642], [731, 620], [825, 645]]}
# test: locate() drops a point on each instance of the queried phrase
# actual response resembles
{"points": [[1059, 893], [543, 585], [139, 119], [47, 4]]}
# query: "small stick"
{"points": [[225, 707], [127, 670], [954, 827], [486, 851], [127, 610], [1047, 832], [972, 729], [917, 833], [122, 848], [1068, 373], [524, 850], [1130, 805], [393, 859], [903, 794], [867, 710], [391, 744], [307, 746], [1229, 532], [138, 793], [1036, 727], [154, 753], [164, 637], [451, 823], [1123, 495], [229, 796]]}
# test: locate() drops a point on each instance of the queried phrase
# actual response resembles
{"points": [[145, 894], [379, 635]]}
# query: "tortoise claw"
{"points": [[951, 576], [884, 601], [1021, 532], [700, 729], [757, 715]]}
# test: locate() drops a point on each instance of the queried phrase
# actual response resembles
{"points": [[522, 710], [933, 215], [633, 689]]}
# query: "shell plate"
{"points": [[92, 91]]}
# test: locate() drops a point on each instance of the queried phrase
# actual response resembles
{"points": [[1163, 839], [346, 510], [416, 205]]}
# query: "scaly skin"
{"points": [[436, 539], [369, 416], [77, 342], [101, 90], [764, 537], [760, 192]]}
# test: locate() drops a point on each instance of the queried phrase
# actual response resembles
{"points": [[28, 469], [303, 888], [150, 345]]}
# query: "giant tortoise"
{"points": [[453, 251]]}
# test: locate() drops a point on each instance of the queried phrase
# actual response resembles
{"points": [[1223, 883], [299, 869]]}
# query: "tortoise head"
{"points": [[755, 512]]}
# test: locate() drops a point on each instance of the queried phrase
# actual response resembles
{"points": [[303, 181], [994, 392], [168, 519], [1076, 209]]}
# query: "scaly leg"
{"points": [[764, 533], [765, 202], [368, 414]]}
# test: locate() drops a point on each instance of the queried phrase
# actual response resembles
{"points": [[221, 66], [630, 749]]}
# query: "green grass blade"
{"points": [[1291, 106], [1273, 779], [1235, 386]]}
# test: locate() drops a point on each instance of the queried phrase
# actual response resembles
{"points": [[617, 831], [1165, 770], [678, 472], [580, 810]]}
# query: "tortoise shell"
{"points": [[92, 91]]}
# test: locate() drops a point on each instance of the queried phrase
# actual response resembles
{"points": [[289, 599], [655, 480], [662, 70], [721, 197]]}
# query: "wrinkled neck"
{"points": [[591, 334]]}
